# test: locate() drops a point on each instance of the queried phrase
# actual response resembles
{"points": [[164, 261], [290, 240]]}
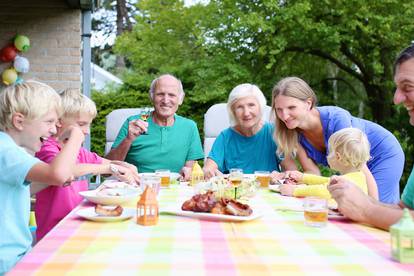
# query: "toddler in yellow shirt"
{"points": [[349, 150]]}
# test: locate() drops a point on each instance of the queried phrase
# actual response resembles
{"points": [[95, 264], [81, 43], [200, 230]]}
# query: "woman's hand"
{"points": [[275, 176], [209, 172], [210, 169], [287, 189], [297, 176]]}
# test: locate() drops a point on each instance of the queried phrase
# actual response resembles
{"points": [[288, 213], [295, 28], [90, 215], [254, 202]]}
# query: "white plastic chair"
{"points": [[216, 120], [114, 121]]}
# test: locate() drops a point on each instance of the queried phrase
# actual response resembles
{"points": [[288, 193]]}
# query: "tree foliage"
{"points": [[343, 48]]}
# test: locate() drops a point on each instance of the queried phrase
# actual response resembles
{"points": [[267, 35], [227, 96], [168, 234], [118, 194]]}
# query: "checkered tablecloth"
{"points": [[277, 243]]}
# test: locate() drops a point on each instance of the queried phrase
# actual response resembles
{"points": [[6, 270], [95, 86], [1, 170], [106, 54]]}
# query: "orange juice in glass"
{"points": [[165, 177], [236, 177], [315, 211], [263, 177]]}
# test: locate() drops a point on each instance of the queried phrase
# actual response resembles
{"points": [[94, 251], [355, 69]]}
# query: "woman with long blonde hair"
{"points": [[302, 125]]}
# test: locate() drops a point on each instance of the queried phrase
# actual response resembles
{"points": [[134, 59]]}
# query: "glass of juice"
{"points": [[316, 211], [165, 177], [263, 177], [236, 177]]}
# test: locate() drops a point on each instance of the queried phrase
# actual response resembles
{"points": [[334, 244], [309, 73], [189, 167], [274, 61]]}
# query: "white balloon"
{"points": [[21, 64]]}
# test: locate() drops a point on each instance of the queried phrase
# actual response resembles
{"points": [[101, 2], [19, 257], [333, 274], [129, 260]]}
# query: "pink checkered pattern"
{"points": [[277, 243]]}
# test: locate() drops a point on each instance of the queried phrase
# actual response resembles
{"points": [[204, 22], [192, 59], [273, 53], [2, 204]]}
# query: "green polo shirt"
{"points": [[163, 147], [408, 193]]}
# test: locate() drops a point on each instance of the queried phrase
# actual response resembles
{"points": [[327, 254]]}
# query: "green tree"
{"points": [[361, 38], [343, 48]]}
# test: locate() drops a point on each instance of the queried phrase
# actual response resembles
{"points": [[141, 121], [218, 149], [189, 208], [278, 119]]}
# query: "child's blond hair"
{"points": [[75, 103], [31, 98], [352, 145]]}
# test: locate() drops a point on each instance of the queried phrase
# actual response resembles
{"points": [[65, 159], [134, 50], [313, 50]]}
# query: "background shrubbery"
{"points": [[343, 49], [106, 102]]}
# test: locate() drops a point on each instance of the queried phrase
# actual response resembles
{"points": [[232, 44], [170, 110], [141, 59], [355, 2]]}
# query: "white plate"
{"points": [[275, 188], [116, 184], [89, 214], [126, 195], [210, 216]]}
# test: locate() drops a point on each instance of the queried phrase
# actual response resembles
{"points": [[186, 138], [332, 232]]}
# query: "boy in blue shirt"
{"points": [[28, 116]]}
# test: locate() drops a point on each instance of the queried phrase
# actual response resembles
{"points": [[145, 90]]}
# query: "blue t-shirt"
{"points": [[163, 147], [387, 157], [15, 236], [255, 153]]}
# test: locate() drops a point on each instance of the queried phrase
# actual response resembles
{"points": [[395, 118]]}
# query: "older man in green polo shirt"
{"points": [[166, 140]]}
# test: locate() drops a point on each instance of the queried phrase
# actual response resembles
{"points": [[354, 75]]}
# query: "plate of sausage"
{"points": [[106, 213], [206, 206]]}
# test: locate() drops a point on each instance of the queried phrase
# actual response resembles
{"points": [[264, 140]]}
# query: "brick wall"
{"points": [[55, 35]]}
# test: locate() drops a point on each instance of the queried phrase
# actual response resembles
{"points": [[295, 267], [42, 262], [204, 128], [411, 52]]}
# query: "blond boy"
{"points": [[28, 114], [54, 203]]}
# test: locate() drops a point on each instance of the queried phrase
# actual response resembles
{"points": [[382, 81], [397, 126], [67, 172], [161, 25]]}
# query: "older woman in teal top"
{"points": [[300, 122], [248, 144]]}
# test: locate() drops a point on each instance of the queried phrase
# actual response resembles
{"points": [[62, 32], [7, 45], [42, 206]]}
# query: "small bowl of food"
{"points": [[111, 196]]}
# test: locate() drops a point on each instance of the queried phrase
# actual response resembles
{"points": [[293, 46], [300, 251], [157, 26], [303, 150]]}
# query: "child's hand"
{"points": [[125, 174], [294, 175], [275, 176], [287, 189], [126, 165], [132, 169], [71, 131]]}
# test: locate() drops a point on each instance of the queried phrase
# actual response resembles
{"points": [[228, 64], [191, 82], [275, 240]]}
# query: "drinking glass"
{"points": [[144, 115], [165, 177], [152, 181], [236, 177], [263, 177], [316, 211]]}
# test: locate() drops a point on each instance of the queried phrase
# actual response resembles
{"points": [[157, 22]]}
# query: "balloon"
{"points": [[21, 64], [9, 76], [8, 53], [22, 43]]}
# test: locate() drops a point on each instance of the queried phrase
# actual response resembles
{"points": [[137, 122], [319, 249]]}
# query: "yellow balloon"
{"points": [[9, 76]]}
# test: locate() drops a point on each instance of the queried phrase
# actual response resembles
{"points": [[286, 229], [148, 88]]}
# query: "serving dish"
{"points": [[209, 216], [89, 214], [111, 196]]}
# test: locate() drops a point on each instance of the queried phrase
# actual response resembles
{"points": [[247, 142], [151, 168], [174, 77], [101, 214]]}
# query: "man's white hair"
{"points": [[155, 82]]}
